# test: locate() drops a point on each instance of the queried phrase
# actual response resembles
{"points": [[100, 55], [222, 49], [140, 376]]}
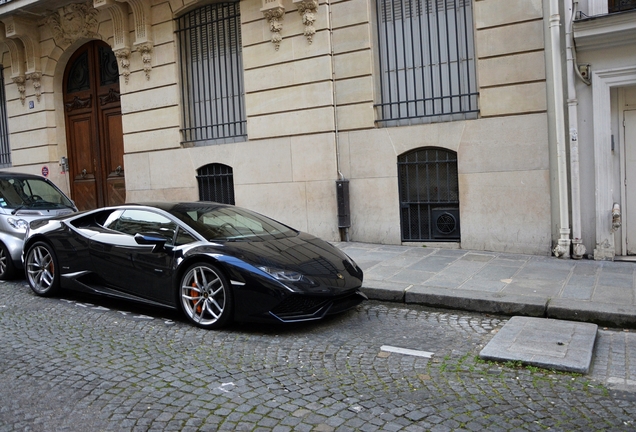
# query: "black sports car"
{"points": [[215, 262]]}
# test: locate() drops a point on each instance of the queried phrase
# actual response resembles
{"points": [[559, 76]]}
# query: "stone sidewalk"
{"points": [[601, 292]]}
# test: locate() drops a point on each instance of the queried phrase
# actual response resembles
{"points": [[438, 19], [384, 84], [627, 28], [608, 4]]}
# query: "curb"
{"points": [[602, 314]]}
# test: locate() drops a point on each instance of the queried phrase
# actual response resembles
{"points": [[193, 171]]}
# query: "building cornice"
{"points": [[605, 31]]}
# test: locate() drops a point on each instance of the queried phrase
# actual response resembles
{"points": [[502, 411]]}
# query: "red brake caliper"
{"points": [[195, 298]]}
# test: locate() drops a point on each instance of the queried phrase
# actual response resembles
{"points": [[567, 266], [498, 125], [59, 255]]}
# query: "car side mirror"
{"points": [[157, 240]]}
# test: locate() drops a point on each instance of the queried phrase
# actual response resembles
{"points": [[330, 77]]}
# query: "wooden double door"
{"points": [[93, 127]]}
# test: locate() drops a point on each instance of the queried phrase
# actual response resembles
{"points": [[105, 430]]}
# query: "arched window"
{"points": [[216, 183], [429, 195]]}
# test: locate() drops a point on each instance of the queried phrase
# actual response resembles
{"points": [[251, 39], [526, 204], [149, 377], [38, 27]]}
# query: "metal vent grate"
{"points": [[446, 223], [216, 183]]}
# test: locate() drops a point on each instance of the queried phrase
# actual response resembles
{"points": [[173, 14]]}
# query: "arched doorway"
{"points": [[93, 127]]}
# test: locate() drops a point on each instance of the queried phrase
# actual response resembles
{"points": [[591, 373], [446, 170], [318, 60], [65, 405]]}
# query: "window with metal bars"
{"points": [[429, 195], [5, 148], [212, 88], [620, 5], [216, 183], [426, 52]]}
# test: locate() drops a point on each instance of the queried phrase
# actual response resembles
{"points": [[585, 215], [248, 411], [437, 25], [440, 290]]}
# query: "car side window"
{"points": [[183, 237], [133, 222]]}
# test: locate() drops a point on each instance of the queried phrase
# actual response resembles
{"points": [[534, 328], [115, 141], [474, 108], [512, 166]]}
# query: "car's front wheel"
{"points": [[7, 269], [206, 296], [41, 269]]}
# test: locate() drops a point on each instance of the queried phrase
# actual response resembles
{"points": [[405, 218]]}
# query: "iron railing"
{"points": [[427, 60], [5, 148], [620, 5], [216, 183], [428, 183], [212, 74]]}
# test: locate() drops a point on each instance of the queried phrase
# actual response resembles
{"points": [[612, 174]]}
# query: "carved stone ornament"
{"points": [[307, 9], [35, 78], [73, 22], [146, 57], [19, 82], [123, 59], [274, 12], [78, 103]]}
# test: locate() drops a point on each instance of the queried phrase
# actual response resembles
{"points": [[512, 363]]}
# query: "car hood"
{"points": [[305, 254]]}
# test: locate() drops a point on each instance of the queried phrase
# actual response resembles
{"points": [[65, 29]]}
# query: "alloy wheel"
{"points": [[204, 296], [40, 267]]}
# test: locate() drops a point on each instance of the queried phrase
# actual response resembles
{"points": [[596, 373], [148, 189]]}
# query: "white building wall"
{"points": [[310, 118]]}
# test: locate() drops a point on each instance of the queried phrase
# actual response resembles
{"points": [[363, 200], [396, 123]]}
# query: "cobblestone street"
{"points": [[86, 364]]}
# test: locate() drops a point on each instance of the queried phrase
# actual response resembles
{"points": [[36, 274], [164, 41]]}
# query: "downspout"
{"points": [[344, 232], [334, 92], [578, 248], [562, 249]]}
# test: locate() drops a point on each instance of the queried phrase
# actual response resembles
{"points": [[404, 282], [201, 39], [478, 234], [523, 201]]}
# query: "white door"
{"points": [[629, 216]]}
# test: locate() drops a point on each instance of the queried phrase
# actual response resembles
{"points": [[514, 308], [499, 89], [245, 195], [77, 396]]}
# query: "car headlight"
{"points": [[19, 224], [282, 275]]}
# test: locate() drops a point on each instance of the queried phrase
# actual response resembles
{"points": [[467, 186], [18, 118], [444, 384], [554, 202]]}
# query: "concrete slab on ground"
{"points": [[547, 343]]}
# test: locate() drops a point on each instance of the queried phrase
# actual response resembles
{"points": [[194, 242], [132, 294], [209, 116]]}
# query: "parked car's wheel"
{"points": [[41, 269], [7, 269], [206, 296]]}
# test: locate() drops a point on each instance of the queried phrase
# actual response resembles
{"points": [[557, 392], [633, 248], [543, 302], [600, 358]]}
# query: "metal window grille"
{"points": [[429, 195], [620, 5], [5, 148], [212, 75], [427, 61], [216, 183]]}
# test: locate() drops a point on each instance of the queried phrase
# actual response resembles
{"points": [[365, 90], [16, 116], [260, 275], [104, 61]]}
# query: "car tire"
{"points": [[40, 267], [205, 296], [7, 269]]}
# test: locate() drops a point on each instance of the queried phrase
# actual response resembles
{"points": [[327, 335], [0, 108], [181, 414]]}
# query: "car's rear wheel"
{"points": [[7, 269], [41, 269], [205, 296]]}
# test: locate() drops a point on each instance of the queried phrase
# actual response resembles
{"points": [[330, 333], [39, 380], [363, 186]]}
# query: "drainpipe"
{"points": [[578, 248], [342, 192], [562, 249], [334, 92]]}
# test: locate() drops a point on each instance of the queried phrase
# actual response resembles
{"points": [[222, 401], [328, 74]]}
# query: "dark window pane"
{"points": [[429, 195], [5, 149], [427, 60], [78, 78], [212, 74], [108, 73], [216, 183]]}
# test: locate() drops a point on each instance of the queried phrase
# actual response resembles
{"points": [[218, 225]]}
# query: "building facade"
{"points": [[445, 122]]}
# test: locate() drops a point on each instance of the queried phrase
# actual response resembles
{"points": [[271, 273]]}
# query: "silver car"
{"points": [[24, 198]]}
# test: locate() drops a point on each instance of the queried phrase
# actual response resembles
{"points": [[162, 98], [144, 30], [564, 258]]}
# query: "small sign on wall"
{"points": [[31, 104], [45, 171]]}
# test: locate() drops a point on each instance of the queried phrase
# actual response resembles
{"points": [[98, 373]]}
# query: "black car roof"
{"points": [[168, 206], [10, 174]]}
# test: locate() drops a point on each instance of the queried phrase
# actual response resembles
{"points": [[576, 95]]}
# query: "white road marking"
{"points": [[406, 351]]}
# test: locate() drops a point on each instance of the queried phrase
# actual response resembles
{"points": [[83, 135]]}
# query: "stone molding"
{"points": [[22, 37], [73, 22], [274, 12], [603, 81], [121, 45], [143, 31], [17, 53], [308, 9]]}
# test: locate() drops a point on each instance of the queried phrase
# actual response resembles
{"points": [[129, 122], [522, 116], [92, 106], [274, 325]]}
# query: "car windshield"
{"points": [[16, 192], [231, 223]]}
